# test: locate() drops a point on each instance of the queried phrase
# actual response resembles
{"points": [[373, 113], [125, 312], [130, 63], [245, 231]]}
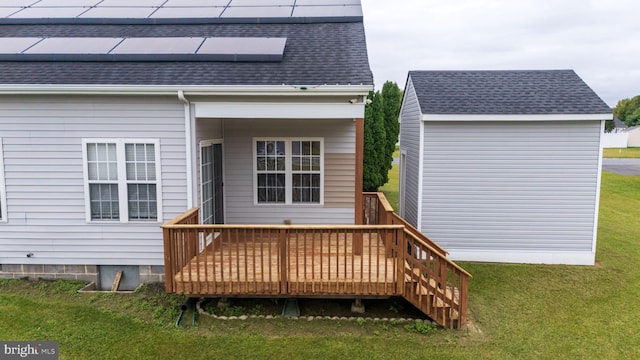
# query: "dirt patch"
{"points": [[374, 308]]}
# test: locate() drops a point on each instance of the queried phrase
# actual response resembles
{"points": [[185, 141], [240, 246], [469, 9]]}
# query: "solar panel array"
{"points": [[142, 49], [176, 11]]}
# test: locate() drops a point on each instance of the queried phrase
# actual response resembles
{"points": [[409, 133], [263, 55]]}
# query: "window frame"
{"points": [[122, 181], [288, 170], [3, 192]]}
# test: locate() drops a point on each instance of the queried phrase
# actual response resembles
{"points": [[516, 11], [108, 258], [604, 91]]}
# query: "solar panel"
{"points": [[4, 12], [65, 3], [119, 12], [48, 13], [164, 45], [176, 11], [327, 11], [258, 12], [188, 12], [326, 2], [131, 3], [16, 3], [74, 46], [200, 3], [142, 49], [263, 46], [271, 3], [16, 45]]}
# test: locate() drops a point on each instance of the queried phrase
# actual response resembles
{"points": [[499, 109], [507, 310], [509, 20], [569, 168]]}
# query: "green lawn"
{"points": [[521, 311], [622, 153], [390, 189]]}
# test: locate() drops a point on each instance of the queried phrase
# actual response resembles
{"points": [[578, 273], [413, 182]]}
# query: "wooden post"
{"points": [[401, 250], [168, 260], [282, 242], [359, 202]]}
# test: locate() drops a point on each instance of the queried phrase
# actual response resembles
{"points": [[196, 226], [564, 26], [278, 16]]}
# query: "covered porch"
{"points": [[385, 257]]}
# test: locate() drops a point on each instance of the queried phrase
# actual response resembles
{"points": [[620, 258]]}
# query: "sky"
{"points": [[599, 39]]}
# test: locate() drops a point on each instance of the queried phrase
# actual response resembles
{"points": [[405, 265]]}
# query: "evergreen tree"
{"points": [[391, 100], [374, 143]]}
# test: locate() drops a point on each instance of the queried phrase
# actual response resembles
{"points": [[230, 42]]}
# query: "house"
{"points": [[115, 118], [503, 166], [216, 146]]}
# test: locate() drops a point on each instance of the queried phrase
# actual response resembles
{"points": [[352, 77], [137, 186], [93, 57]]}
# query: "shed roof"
{"points": [[534, 92], [324, 51]]}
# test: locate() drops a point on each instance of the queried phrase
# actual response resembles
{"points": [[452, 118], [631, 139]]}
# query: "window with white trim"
{"points": [[122, 180], [3, 195], [288, 171]]}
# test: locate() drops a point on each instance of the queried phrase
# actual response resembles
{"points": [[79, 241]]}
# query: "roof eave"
{"points": [[517, 117], [191, 90]]}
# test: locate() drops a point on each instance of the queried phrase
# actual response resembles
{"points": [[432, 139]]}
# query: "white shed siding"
{"points": [[339, 138], [410, 142], [44, 177], [504, 186]]}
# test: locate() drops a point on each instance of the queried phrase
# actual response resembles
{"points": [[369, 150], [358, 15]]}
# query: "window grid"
{"points": [[288, 171], [305, 156], [121, 179], [141, 175], [102, 171], [271, 170]]}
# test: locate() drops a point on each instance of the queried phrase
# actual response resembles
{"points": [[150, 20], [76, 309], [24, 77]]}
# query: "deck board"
{"points": [[320, 263]]}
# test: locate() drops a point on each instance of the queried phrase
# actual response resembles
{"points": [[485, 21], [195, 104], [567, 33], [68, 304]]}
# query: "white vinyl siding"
{"points": [[122, 179], [3, 195], [288, 171], [338, 175], [44, 171], [504, 186], [410, 143]]}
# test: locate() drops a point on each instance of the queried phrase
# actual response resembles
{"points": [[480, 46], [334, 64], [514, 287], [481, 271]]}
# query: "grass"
{"points": [[390, 189], [522, 312], [622, 153]]}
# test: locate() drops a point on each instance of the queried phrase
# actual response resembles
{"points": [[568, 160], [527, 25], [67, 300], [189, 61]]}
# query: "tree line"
{"points": [[628, 110]]}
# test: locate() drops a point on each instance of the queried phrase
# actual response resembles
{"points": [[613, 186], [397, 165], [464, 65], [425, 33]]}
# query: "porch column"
{"points": [[359, 203]]}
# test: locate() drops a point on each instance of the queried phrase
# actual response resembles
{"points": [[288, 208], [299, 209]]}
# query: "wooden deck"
{"points": [[384, 257], [318, 264]]}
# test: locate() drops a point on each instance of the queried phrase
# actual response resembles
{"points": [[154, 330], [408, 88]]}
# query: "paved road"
{"points": [[622, 166]]}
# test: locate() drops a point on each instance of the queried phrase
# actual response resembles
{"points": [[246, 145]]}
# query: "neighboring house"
{"points": [[503, 165], [634, 136], [619, 125], [115, 118]]}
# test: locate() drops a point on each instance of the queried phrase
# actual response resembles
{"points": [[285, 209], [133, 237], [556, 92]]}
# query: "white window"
{"points": [[122, 180], [288, 171], [3, 195]]}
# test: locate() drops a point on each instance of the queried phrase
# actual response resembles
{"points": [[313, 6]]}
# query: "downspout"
{"points": [[188, 140]]}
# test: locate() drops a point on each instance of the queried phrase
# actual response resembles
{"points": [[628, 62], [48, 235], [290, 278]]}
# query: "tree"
{"points": [[391, 100], [374, 141], [628, 110]]}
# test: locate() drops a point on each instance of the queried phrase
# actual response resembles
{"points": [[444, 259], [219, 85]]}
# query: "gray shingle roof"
{"points": [[505, 92], [315, 54]]}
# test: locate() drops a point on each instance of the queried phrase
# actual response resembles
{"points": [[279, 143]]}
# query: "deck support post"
{"points": [[282, 242], [357, 306], [359, 198]]}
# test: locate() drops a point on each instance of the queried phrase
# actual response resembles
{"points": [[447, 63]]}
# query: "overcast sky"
{"points": [[599, 39]]}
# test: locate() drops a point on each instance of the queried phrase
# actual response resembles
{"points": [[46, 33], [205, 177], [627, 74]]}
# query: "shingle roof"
{"points": [[505, 92], [315, 54]]}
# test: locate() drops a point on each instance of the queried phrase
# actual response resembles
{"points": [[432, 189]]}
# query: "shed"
{"points": [[503, 166]]}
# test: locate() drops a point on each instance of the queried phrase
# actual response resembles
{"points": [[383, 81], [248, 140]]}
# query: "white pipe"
{"points": [[188, 147]]}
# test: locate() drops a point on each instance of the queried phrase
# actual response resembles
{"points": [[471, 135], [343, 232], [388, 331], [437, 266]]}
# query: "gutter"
{"points": [[192, 90], [188, 146]]}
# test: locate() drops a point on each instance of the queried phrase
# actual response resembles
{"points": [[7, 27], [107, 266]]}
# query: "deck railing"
{"points": [[433, 283], [393, 259]]}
